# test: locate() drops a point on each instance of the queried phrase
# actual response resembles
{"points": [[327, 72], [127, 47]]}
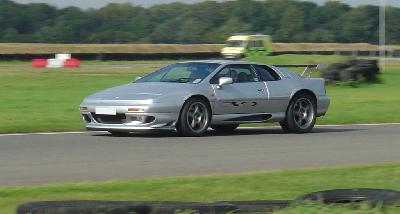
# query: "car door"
{"points": [[247, 94], [278, 89]]}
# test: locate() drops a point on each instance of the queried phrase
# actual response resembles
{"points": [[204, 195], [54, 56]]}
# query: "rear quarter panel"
{"points": [[317, 86]]}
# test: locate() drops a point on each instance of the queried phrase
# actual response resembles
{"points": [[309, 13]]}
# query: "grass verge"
{"points": [[35, 100], [284, 184]]}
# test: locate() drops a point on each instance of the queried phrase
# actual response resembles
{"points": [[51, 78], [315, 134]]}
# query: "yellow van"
{"points": [[239, 46]]}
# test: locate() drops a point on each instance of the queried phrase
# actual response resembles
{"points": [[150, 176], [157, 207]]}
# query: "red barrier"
{"points": [[39, 63], [72, 63]]}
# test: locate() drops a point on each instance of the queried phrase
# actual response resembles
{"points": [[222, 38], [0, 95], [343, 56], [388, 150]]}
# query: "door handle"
{"points": [[260, 90]]}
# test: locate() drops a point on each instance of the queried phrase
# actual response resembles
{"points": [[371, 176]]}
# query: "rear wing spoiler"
{"points": [[309, 68]]}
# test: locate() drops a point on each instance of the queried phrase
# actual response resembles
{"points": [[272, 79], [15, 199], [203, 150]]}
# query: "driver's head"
{"points": [[234, 75]]}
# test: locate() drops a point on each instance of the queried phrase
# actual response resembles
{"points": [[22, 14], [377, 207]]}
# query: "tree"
{"points": [[204, 22], [359, 25], [393, 25], [9, 35], [292, 23]]}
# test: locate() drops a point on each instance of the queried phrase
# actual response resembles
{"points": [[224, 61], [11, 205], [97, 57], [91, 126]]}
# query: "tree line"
{"points": [[206, 22]]}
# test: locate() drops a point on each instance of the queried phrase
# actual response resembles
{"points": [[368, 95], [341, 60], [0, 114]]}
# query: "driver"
{"points": [[233, 74]]}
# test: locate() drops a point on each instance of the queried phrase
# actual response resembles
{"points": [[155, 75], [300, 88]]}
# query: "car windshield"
{"points": [[235, 43], [181, 73]]}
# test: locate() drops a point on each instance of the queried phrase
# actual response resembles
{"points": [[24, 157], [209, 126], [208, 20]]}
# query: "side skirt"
{"points": [[247, 118]]}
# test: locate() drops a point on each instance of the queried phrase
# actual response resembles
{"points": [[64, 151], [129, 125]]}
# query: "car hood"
{"points": [[154, 91]]}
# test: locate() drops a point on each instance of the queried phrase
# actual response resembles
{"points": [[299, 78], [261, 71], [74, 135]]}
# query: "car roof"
{"points": [[222, 62]]}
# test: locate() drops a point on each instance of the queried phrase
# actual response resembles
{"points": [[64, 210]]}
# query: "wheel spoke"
{"points": [[200, 119], [304, 104], [193, 123], [309, 110], [297, 106], [196, 109]]}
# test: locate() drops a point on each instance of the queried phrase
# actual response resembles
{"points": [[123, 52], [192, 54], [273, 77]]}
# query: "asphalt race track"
{"points": [[74, 157]]}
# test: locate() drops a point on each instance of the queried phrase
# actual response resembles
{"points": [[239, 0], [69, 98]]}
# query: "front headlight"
{"points": [[83, 109]]}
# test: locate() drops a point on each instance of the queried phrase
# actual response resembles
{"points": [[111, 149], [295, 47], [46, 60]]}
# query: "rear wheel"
{"points": [[300, 116], [225, 128], [195, 118]]}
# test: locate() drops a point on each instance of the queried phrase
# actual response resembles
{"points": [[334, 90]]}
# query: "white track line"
{"points": [[253, 127], [339, 125], [42, 133], [361, 124]]}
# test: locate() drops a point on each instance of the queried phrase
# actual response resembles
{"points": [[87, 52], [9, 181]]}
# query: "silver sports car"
{"points": [[190, 97]]}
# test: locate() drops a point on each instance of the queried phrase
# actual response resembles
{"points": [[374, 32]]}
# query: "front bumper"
{"points": [[131, 122]]}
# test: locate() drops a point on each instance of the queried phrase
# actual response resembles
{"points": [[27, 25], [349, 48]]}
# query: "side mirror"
{"points": [[224, 81]]}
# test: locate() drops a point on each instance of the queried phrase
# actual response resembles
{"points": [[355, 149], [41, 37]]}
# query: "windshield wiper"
{"points": [[180, 80]]}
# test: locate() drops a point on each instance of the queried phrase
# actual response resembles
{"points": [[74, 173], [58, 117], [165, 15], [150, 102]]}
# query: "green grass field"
{"points": [[47, 99], [284, 184]]}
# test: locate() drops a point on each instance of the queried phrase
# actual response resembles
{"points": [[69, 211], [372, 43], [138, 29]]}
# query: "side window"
{"points": [[223, 73], [242, 73], [266, 73], [255, 44], [250, 44], [259, 44], [239, 74]]}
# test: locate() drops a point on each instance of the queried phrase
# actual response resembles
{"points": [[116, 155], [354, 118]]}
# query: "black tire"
{"points": [[371, 196], [89, 207], [201, 117], [225, 128], [259, 206], [118, 134], [285, 126], [170, 207], [300, 119]]}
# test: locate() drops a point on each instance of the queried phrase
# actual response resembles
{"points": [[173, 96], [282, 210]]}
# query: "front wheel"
{"points": [[194, 119], [300, 116]]}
